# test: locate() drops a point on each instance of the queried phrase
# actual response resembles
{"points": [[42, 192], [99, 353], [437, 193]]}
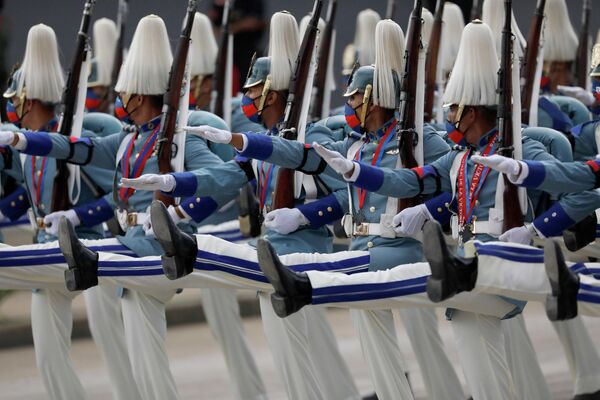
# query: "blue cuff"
{"points": [[537, 174], [554, 221], [95, 213], [38, 143], [439, 207], [199, 208], [186, 184], [322, 212], [259, 146], [369, 178], [15, 204]]}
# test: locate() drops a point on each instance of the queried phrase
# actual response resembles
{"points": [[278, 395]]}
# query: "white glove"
{"points": [[285, 220], [338, 162], [52, 220], [516, 170], [579, 93], [209, 133], [7, 137], [520, 235], [410, 221], [164, 182]]}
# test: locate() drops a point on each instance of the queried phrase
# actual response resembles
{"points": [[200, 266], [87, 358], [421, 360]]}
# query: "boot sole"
{"points": [[268, 267], [434, 250], [74, 278]]}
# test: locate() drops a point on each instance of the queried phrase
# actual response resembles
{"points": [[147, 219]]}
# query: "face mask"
{"points": [[352, 119], [250, 110], [11, 113], [192, 101], [92, 101], [121, 113], [454, 134]]}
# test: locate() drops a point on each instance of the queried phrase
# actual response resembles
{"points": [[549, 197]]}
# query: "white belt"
{"points": [[484, 227], [130, 219], [384, 229]]}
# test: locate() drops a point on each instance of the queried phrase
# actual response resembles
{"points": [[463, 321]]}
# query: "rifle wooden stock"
{"points": [[406, 124], [531, 55], [283, 197], [583, 51], [431, 63], [60, 190], [217, 107], [171, 98], [118, 60], [513, 216], [325, 42]]}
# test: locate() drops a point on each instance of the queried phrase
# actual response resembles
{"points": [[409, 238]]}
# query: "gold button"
{"points": [[372, 209], [439, 209], [369, 244], [13, 204], [546, 220], [192, 205], [446, 205], [197, 199], [320, 213], [554, 215], [21, 197], [90, 211], [98, 208], [329, 209]]}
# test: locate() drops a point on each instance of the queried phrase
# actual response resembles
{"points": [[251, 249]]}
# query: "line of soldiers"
{"points": [[391, 171]]}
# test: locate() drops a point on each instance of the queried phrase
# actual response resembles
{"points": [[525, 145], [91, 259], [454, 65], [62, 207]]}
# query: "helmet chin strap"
{"points": [[263, 96], [366, 102]]}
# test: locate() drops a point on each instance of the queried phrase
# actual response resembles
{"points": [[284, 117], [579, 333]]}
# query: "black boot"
{"points": [[180, 248], [450, 274], [588, 396], [292, 289], [83, 262], [562, 303]]}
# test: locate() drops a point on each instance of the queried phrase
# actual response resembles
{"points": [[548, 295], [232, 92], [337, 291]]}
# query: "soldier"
{"points": [[34, 91], [105, 37], [362, 49]]}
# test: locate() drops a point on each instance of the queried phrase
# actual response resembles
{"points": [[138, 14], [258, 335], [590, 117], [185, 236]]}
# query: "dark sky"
{"points": [[64, 16]]}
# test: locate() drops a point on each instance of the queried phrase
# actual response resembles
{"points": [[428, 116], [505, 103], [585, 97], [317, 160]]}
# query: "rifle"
{"points": [[476, 10], [407, 112], [583, 51], [513, 217], [320, 85], [390, 10], [431, 63], [283, 195], [171, 99], [118, 60], [219, 87], [528, 69], [60, 190]]}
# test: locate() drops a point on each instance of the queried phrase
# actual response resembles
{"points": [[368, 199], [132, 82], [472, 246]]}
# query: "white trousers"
{"points": [[51, 324]]}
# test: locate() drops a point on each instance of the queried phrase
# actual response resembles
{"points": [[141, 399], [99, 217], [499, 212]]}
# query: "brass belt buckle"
{"points": [[132, 219], [361, 229], [40, 223]]}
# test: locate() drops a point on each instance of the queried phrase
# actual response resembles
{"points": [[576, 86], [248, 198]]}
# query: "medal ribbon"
{"points": [[467, 199], [362, 193], [139, 163]]}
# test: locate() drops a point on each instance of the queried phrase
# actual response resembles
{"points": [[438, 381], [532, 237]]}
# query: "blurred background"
{"points": [[64, 16]]}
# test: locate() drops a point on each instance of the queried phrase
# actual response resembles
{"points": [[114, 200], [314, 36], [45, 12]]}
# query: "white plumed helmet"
{"points": [[389, 57], [146, 68], [105, 45], [492, 14], [560, 39], [284, 45], [203, 49], [452, 28]]}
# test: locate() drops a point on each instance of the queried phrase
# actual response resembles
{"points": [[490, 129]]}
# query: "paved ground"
{"points": [[201, 373]]}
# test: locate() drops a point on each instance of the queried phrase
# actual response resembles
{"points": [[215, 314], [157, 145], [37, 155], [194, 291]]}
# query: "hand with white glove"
{"points": [[338, 162], [410, 221], [209, 133], [285, 220], [51, 221], [164, 182], [516, 170], [579, 93], [7, 138], [520, 235]]}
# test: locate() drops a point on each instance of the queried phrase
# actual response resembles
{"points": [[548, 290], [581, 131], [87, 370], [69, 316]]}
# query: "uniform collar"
{"points": [[375, 136], [51, 126], [150, 125], [485, 139]]}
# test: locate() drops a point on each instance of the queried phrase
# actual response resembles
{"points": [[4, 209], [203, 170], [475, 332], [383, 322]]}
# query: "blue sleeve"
{"points": [[323, 211], [439, 207], [568, 211], [15, 204], [95, 213], [199, 208]]}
